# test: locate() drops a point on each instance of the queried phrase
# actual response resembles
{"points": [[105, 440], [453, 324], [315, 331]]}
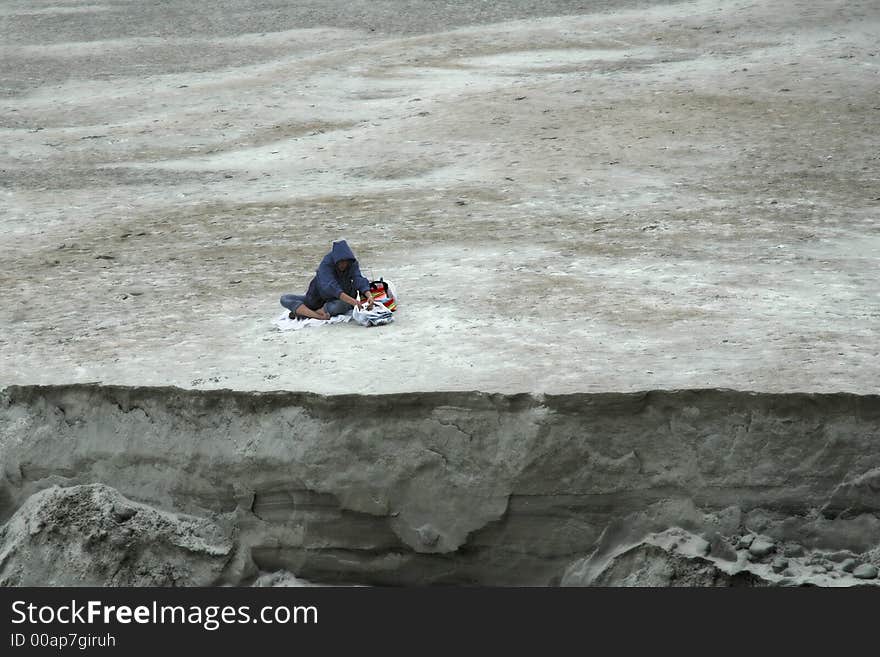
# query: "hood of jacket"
{"points": [[341, 251]]}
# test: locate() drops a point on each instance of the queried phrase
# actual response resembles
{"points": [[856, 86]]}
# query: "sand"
{"points": [[569, 196], [687, 488]]}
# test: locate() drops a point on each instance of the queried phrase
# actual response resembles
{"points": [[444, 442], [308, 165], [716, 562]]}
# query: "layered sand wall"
{"points": [[457, 488]]}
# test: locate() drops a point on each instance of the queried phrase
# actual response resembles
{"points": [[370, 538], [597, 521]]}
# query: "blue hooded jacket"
{"points": [[329, 282]]}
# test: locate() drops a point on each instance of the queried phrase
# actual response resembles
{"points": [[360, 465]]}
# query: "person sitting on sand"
{"points": [[334, 288]]}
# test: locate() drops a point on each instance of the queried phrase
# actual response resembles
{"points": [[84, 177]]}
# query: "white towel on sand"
{"points": [[284, 323]]}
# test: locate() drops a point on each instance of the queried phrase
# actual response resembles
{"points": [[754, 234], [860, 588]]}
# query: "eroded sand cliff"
{"points": [[455, 487]]}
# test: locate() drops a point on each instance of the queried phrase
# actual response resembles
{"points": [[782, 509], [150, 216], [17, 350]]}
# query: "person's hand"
{"points": [[364, 302], [323, 314]]}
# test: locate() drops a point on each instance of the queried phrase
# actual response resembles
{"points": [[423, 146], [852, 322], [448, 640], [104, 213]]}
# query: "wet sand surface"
{"points": [[570, 196]]}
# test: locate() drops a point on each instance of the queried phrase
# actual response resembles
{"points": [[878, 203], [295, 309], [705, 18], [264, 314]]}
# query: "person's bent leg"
{"points": [[305, 311], [296, 304], [292, 301], [337, 307]]}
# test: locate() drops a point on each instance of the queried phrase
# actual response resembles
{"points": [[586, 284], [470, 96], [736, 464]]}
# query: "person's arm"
{"points": [[361, 282], [367, 299], [349, 300], [363, 285], [327, 285]]}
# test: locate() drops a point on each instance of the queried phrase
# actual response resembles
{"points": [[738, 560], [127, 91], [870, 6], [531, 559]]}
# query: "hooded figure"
{"points": [[334, 288]]}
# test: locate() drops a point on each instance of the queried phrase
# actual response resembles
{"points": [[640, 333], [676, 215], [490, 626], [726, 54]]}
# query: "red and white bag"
{"points": [[383, 293]]}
